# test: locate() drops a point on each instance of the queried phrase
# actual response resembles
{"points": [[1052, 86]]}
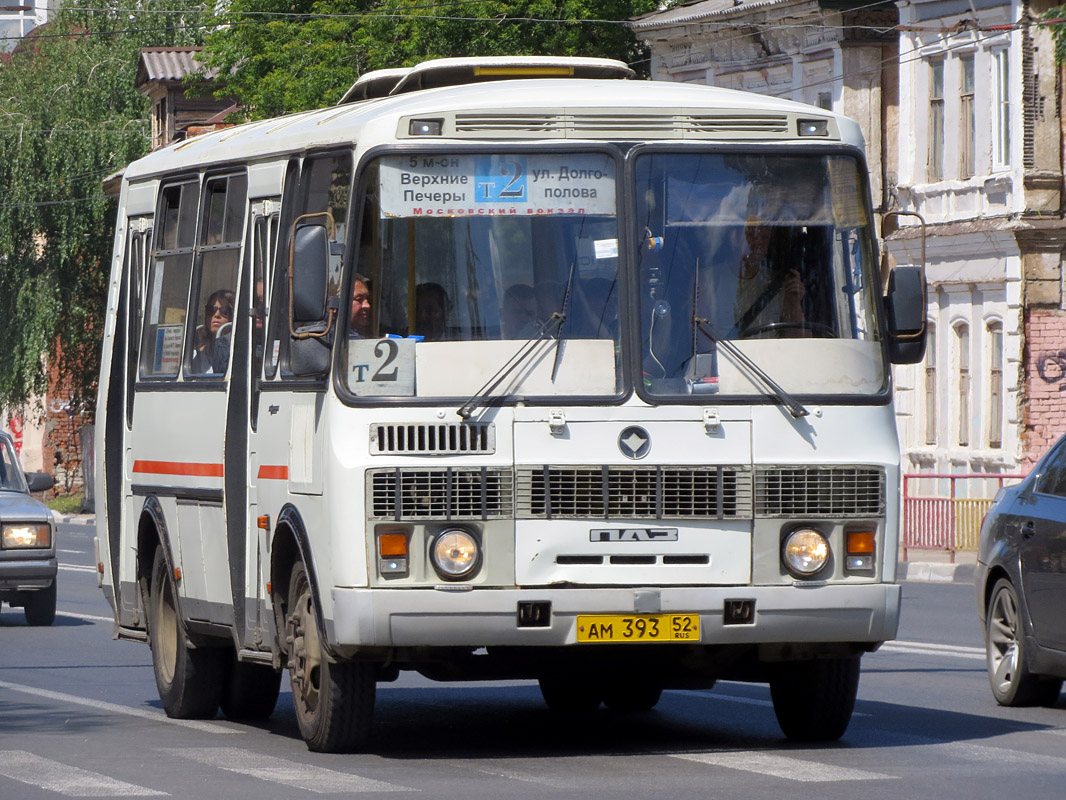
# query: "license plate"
{"points": [[638, 628]]}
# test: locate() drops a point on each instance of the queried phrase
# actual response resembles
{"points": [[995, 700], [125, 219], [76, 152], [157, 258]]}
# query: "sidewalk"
{"points": [[935, 565]]}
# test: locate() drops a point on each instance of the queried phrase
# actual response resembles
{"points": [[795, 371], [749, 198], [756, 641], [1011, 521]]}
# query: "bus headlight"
{"points": [[27, 534], [455, 554], [805, 551]]}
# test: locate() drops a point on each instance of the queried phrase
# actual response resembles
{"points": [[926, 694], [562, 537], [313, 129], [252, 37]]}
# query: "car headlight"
{"points": [[27, 534], [805, 551], [455, 554]]}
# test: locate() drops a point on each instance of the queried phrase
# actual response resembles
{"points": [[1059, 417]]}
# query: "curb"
{"points": [[935, 572], [73, 519]]}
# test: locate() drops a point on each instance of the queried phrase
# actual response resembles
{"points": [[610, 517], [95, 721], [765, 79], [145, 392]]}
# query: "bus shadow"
{"points": [[513, 722]]}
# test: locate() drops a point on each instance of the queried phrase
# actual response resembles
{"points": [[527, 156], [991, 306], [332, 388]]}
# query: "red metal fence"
{"points": [[947, 516]]}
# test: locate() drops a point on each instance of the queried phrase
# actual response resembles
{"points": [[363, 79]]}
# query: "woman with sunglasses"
{"points": [[211, 341]]}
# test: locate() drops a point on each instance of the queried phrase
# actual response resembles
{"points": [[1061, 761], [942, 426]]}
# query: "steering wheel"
{"points": [[819, 329]]}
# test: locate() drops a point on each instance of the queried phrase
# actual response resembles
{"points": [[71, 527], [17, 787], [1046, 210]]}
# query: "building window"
{"points": [[962, 347], [936, 120], [825, 100], [995, 385], [1001, 108], [968, 121], [930, 384]]}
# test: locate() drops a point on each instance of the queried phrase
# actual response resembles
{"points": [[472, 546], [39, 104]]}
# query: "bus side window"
{"points": [[167, 291], [323, 184], [216, 275], [263, 244], [135, 268]]}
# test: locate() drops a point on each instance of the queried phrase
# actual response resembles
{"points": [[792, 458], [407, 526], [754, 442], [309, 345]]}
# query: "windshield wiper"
{"points": [[547, 329], [553, 325], [795, 408]]}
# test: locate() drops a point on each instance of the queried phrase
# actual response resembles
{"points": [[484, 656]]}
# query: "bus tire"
{"points": [[40, 608], [190, 681], [813, 700], [569, 695], [334, 700], [629, 698], [251, 691]]}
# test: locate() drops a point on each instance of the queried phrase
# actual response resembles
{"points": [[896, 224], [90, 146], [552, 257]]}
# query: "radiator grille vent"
{"points": [[618, 492], [819, 492], [441, 493], [433, 439], [620, 124]]}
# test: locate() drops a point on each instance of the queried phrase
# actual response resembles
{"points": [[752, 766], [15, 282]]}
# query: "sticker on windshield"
{"points": [[382, 367], [497, 185]]}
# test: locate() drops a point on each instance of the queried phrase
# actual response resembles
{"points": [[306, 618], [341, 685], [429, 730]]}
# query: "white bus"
{"points": [[504, 369]]}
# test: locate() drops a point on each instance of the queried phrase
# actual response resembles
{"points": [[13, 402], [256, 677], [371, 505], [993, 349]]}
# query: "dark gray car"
{"points": [[1021, 585], [27, 542]]}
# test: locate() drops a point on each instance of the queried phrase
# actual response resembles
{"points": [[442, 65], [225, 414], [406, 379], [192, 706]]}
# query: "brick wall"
{"points": [[62, 442], [1045, 378]]}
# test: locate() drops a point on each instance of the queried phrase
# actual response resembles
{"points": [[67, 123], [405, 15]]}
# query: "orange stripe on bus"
{"points": [[179, 468], [274, 473]]}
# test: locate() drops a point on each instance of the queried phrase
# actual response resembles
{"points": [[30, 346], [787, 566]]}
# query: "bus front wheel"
{"points": [[334, 700], [813, 700], [190, 681]]}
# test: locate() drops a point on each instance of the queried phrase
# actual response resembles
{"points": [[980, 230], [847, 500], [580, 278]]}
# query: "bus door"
{"points": [[180, 430], [119, 414], [286, 405], [247, 509]]}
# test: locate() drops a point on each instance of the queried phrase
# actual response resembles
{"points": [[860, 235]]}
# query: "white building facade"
{"points": [[19, 17], [979, 160]]}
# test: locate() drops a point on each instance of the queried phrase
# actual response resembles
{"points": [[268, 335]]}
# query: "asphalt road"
{"points": [[79, 717]]}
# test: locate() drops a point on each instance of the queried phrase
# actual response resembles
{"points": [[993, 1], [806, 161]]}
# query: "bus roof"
{"points": [[513, 111]]}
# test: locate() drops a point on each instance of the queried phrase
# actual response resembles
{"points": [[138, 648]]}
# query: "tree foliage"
{"points": [[280, 56], [69, 117]]}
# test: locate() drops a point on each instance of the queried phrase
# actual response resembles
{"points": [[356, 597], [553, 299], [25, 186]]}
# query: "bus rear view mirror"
{"points": [[905, 306], [307, 273]]}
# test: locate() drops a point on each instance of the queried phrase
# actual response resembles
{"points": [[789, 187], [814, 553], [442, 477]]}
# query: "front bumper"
{"points": [[27, 573], [865, 613]]}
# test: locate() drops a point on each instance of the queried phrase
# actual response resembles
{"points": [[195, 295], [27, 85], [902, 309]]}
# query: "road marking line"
{"points": [[1003, 756], [53, 776], [76, 568], [971, 654], [934, 646], [90, 617], [278, 770], [114, 708], [792, 769]]}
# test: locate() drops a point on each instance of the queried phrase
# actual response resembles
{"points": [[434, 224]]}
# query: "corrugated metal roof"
{"points": [[705, 9], [169, 64]]}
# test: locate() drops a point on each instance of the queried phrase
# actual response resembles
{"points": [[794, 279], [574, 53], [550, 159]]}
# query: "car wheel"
{"points": [[1005, 636], [40, 606], [334, 700], [189, 681], [813, 700]]}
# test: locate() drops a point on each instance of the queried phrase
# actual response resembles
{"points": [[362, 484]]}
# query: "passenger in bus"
{"points": [[769, 290], [519, 315], [360, 326], [212, 339], [431, 312]]}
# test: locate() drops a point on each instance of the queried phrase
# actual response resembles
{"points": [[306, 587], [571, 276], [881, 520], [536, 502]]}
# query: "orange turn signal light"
{"points": [[860, 541], [392, 545]]}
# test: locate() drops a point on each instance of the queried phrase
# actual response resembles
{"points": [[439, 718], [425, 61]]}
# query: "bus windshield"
{"points": [[772, 252], [484, 250]]}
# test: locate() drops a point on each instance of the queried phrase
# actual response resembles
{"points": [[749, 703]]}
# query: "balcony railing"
{"points": [[933, 520]]}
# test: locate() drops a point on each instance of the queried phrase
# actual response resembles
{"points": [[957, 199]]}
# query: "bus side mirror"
{"points": [[307, 271], [905, 306]]}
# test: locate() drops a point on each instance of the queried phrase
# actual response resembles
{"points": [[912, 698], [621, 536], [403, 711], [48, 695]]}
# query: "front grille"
{"points": [[466, 438], [845, 491], [541, 124], [440, 493], [621, 124], [620, 492], [724, 123]]}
